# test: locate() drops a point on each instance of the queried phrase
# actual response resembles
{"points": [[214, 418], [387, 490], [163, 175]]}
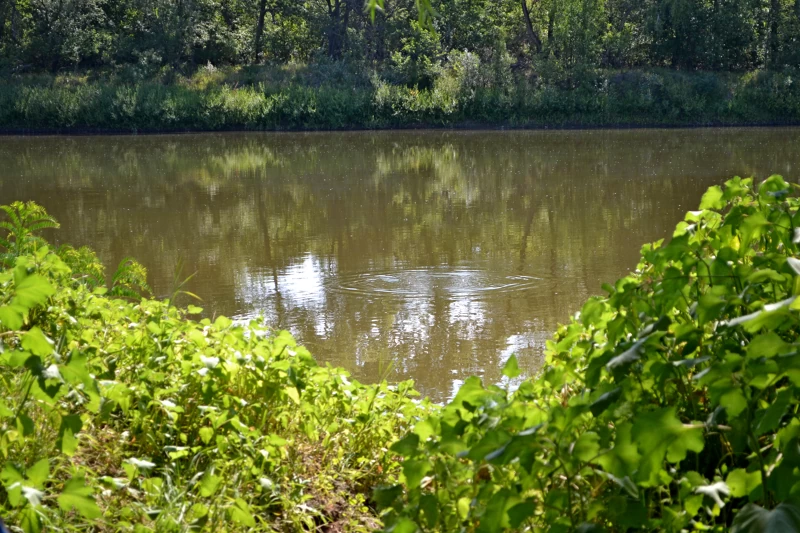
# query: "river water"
{"points": [[424, 254]]}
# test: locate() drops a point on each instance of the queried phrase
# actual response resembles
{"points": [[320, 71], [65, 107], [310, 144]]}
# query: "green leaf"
{"points": [[240, 513], [37, 343], [752, 228], [495, 517], [471, 392], [38, 473], [604, 401], [414, 472], [511, 368], [209, 485], [587, 446], [404, 525], [10, 318], [771, 416], [658, 434], [712, 199], [30, 521], [745, 484], [76, 495], [222, 322], [407, 446], [520, 512], [624, 457], [429, 505], [32, 291], [386, 496], [292, 393], [12, 481], [766, 345], [754, 519], [70, 426], [206, 434]]}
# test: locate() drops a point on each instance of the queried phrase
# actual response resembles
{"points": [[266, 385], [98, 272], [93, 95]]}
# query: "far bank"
{"points": [[258, 100]]}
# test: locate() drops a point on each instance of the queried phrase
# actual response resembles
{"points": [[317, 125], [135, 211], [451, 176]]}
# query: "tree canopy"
{"points": [[407, 38]]}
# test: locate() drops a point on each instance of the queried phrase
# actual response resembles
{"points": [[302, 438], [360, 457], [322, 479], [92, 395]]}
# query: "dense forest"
{"points": [[527, 35], [178, 65]]}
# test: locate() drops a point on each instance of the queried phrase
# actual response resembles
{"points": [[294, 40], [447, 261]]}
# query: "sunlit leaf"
{"points": [[511, 368], [76, 495], [36, 342]]}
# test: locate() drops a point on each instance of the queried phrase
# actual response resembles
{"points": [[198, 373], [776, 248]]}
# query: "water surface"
{"points": [[424, 255]]}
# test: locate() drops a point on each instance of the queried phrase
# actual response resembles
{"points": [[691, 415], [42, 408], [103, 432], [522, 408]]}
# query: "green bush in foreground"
{"points": [[124, 415], [669, 405]]}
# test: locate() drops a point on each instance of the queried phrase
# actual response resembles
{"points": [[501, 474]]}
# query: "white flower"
{"points": [[139, 463], [714, 490], [210, 362], [51, 372], [34, 496]]}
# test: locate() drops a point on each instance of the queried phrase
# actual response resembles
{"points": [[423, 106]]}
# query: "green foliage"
{"points": [[126, 415], [137, 65], [417, 91], [24, 222], [669, 405]]}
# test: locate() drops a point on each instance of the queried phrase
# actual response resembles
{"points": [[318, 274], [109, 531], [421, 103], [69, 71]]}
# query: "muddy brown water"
{"points": [[430, 255]]}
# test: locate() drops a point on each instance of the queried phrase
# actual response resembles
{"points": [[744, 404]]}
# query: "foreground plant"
{"points": [[119, 413], [669, 405]]}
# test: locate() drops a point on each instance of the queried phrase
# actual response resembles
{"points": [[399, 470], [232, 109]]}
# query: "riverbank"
{"points": [[264, 99]]}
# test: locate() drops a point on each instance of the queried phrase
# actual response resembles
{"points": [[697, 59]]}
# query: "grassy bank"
{"points": [[671, 404], [341, 97]]}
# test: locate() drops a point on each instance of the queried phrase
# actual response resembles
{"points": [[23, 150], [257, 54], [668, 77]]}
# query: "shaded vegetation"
{"points": [[458, 96], [138, 65]]}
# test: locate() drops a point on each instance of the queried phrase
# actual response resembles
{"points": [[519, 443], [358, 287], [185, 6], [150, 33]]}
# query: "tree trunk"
{"points": [[774, 27], [533, 37], [343, 28], [334, 42], [14, 22], [3, 10], [262, 13]]}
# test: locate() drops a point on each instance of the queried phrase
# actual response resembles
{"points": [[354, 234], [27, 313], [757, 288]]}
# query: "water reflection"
{"points": [[425, 255]]}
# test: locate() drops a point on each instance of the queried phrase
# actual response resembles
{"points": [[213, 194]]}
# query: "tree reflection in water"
{"points": [[425, 255]]}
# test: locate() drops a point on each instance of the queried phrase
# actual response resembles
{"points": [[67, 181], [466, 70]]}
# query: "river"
{"points": [[425, 255]]}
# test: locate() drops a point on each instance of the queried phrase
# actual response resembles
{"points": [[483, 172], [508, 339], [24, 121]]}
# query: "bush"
{"points": [[669, 405], [122, 413]]}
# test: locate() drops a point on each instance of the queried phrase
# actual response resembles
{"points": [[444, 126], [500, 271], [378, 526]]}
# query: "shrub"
{"points": [[669, 405], [121, 412]]}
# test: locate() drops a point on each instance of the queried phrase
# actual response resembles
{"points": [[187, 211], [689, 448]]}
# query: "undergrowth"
{"points": [[121, 413], [463, 94]]}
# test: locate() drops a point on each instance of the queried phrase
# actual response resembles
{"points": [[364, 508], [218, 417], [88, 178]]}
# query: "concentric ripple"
{"points": [[427, 282]]}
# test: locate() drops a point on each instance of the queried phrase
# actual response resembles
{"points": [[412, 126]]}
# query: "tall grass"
{"points": [[260, 100]]}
